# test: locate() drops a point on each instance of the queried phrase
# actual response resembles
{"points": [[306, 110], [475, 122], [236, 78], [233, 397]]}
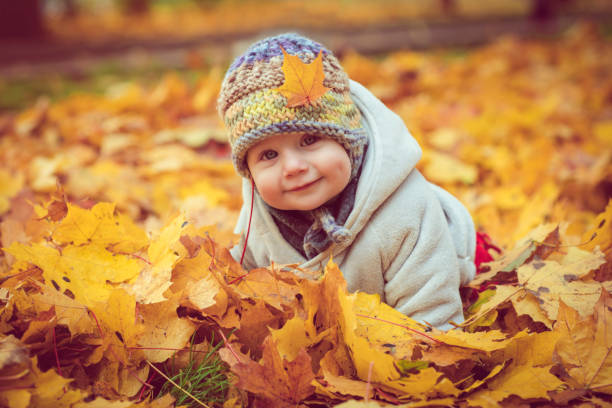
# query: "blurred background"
{"points": [[115, 100], [83, 38]]}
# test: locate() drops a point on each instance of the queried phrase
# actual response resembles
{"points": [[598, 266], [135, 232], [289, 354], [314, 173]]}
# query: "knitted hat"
{"points": [[253, 109]]}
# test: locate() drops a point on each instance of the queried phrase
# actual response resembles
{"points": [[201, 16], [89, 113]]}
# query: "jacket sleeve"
{"points": [[462, 231], [423, 275]]}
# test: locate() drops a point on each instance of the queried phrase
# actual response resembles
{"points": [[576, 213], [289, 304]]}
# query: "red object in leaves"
{"points": [[483, 244]]}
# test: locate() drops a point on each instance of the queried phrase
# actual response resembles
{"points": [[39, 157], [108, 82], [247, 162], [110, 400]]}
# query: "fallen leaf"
{"points": [[585, 345], [550, 282], [267, 285], [52, 390], [303, 82], [99, 226], [88, 271], [280, 382], [163, 331], [117, 318], [164, 252]]}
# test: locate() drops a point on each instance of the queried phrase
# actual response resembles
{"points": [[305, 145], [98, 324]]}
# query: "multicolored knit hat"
{"points": [[253, 109]]}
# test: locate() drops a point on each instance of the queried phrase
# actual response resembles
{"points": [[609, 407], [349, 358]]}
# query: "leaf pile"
{"points": [[101, 279], [95, 300], [152, 151]]}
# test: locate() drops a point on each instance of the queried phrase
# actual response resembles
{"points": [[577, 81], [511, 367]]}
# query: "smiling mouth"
{"points": [[302, 187]]}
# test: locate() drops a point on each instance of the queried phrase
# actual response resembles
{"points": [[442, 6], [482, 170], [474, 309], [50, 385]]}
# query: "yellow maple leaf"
{"points": [[387, 329], [303, 82], [528, 373], [164, 252], [89, 271], [52, 389], [370, 362], [164, 330], [118, 325], [427, 382], [585, 343], [551, 282], [526, 381], [100, 226]]}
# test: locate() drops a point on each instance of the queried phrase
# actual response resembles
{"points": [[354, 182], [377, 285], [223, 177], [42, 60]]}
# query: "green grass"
{"points": [[207, 380]]}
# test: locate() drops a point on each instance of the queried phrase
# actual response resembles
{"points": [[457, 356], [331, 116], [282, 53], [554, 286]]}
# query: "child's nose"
{"points": [[293, 163]]}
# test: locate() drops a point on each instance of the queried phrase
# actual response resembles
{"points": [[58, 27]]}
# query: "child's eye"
{"points": [[309, 139], [268, 155]]}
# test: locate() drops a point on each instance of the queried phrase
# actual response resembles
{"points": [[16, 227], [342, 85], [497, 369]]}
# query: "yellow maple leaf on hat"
{"points": [[303, 82]]}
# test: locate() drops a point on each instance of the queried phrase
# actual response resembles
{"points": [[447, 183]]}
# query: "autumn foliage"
{"points": [[303, 82], [116, 215]]}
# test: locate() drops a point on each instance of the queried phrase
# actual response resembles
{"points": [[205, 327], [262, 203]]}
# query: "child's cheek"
{"points": [[267, 185]]}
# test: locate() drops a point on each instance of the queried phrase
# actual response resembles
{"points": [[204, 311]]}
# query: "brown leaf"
{"points": [[280, 382], [190, 245], [267, 284], [256, 319]]}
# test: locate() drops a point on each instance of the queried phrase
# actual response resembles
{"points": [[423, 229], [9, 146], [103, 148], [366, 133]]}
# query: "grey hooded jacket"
{"points": [[411, 242]]}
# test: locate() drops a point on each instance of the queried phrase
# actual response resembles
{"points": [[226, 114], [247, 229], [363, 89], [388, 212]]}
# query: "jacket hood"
{"points": [[390, 146], [410, 241]]}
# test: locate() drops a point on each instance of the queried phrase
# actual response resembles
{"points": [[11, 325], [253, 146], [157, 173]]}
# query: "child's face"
{"points": [[298, 171]]}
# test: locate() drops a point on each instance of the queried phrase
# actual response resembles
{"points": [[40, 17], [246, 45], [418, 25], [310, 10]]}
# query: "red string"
{"points": [[229, 347], [246, 239], [143, 388]]}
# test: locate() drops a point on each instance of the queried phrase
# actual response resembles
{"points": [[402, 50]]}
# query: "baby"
{"points": [[335, 176]]}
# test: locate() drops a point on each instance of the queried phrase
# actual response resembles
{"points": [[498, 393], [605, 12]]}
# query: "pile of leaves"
{"points": [[90, 308], [112, 275]]}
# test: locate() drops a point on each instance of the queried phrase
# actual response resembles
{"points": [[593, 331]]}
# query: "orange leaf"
{"points": [[279, 382], [303, 82], [585, 347]]}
